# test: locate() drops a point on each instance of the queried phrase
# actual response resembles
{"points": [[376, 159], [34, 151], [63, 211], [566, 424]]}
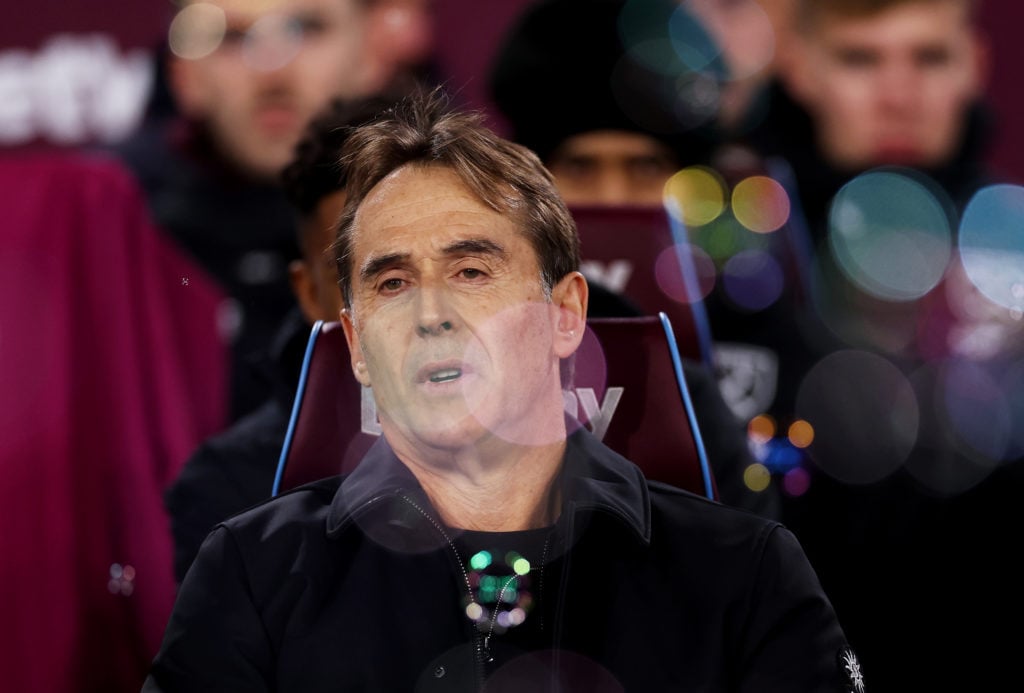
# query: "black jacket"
{"points": [[235, 469], [242, 232], [353, 584]]}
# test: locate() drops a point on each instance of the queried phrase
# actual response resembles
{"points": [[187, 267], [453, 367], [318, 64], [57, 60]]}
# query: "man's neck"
{"points": [[518, 491]]}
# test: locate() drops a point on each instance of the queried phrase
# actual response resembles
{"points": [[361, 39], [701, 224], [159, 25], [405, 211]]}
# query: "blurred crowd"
{"points": [[859, 263]]}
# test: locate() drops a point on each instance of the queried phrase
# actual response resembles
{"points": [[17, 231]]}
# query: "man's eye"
{"points": [[306, 25], [853, 58], [393, 284], [472, 273]]}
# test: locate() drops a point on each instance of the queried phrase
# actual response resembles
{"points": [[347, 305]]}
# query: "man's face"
{"points": [[278, 64], [890, 88], [611, 168], [315, 276], [449, 322]]}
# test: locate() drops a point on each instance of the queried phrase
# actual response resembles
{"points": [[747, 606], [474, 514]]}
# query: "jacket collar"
{"points": [[594, 478]]}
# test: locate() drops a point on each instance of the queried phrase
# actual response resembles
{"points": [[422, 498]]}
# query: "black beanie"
{"points": [[572, 66]]}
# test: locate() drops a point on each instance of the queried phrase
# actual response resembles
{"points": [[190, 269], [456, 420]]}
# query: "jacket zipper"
{"points": [[477, 640]]}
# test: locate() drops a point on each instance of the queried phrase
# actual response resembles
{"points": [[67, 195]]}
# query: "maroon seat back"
{"points": [[637, 252], [628, 390]]}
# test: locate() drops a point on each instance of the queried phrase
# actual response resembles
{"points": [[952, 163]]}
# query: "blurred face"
{"points": [[450, 324], [315, 276], [612, 168], [749, 32], [275, 65], [400, 39], [890, 88]]}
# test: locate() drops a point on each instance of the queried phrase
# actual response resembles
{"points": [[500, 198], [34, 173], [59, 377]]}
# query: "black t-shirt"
{"points": [[510, 573]]}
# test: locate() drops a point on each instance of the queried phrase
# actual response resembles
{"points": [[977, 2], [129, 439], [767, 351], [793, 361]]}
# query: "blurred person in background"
{"points": [[613, 132], [753, 36], [611, 122], [870, 83], [245, 78], [905, 494], [235, 469]]}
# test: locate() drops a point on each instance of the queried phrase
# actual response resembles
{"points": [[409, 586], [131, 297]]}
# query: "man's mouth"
{"points": [[440, 372], [445, 375]]}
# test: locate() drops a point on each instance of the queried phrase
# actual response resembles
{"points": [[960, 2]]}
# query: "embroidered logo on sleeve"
{"points": [[852, 674]]}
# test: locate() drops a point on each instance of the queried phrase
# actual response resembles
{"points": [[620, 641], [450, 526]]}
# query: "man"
{"points": [[870, 84], [476, 541], [246, 78], [235, 469]]}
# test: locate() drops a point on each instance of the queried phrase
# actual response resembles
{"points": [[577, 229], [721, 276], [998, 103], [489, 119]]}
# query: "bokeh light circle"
{"points": [[681, 285], [756, 477], [796, 482], [890, 234], [800, 433], [196, 30], [991, 242], [695, 195], [752, 279], [966, 424], [744, 31], [864, 413], [692, 43], [760, 203], [272, 42], [665, 39]]}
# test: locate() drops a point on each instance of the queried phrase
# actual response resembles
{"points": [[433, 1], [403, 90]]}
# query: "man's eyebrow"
{"points": [[375, 265], [475, 246]]}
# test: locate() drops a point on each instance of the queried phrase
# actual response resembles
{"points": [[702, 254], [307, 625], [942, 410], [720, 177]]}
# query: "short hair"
{"points": [[315, 170], [424, 130]]}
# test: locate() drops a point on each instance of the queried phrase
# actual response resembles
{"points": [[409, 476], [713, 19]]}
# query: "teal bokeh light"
{"points": [[891, 235], [991, 243]]}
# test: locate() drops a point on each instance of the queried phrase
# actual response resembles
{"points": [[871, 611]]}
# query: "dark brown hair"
{"points": [[423, 129]]}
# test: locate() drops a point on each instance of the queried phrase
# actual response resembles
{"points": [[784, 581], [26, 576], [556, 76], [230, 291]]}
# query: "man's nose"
{"points": [[435, 315]]}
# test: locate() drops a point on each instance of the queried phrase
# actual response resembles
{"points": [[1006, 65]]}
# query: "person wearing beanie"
{"points": [[614, 96]]}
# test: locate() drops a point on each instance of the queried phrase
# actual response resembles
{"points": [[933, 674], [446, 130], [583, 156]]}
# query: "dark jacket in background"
{"points": [[241, 232], [235, 469], [923, 577], [354, 584]]}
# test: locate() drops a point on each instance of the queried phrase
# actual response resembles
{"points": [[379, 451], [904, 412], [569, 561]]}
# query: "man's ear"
{"points": [[354, 349], [304, 289], [570, 297]]}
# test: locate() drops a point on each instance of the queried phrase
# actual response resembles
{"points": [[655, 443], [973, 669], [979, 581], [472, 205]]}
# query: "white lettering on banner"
{"points": [[74, 90], [615, 275], [600, 417]]}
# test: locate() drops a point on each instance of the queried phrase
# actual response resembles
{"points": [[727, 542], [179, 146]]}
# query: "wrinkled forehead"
{"points": [[431, 200]]}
